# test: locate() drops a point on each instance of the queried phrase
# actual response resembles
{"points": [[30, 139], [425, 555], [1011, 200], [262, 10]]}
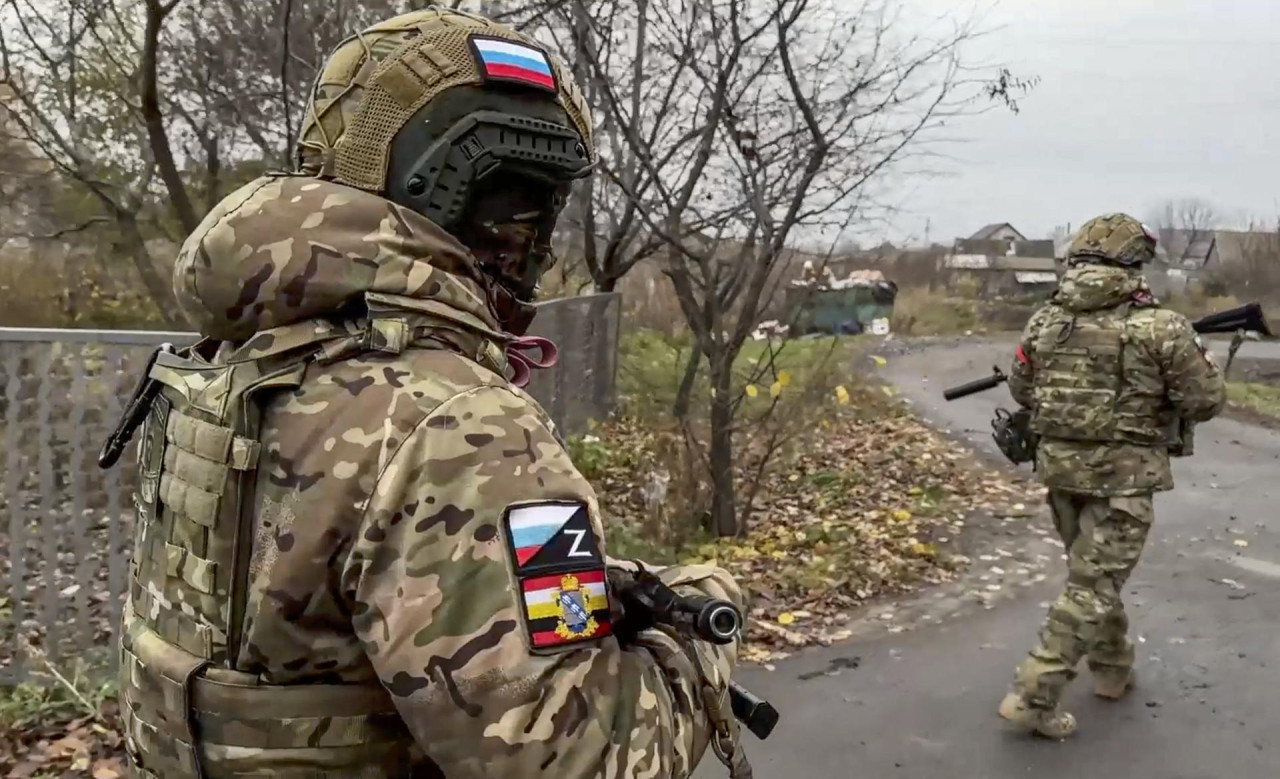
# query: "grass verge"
{"points": [[1261, 399], [62, 722]]}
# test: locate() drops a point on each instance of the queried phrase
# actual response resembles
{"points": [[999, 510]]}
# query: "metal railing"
{"points": [[65, 524]]}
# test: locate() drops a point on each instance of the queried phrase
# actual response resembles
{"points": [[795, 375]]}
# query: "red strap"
{"points": [[1020, 355], [522, 364]]}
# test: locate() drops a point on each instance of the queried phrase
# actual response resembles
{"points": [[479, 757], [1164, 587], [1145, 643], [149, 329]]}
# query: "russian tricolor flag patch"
{"points": [[512, 62]]}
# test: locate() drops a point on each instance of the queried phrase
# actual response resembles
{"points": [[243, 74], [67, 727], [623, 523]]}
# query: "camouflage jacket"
{"points": [[418, 521], [1165, 374]]}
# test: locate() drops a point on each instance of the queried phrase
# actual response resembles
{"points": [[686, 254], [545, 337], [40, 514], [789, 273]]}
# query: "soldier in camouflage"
{"points": [[1110, 377], [361, 550]]}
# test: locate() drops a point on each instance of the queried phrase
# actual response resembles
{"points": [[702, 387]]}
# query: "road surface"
{"points": [[921, 704]]}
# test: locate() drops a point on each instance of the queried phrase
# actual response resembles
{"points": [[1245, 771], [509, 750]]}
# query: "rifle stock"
{"points": [[1248, 317]]}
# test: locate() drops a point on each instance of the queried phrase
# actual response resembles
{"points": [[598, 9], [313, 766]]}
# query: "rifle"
{"points": [[1248, 323], [647, 602], [1245, 321], [1012, 431]]}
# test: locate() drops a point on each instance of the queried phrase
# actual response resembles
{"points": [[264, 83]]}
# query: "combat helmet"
{"points": [[1116, 239], [448, 113]]}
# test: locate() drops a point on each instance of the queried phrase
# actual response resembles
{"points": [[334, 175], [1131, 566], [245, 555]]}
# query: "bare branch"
{"points": [[284, 79], [179, 199], [57, 234]]}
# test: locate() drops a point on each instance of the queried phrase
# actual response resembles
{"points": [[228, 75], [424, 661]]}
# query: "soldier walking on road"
{"points": [[1111, 378], [361, 550]]}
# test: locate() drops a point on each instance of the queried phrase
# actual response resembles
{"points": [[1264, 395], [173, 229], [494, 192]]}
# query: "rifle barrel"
{"points": [[973, 387]]}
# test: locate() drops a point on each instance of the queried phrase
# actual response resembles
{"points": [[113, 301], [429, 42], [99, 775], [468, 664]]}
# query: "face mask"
{"points": [[509, 232]]}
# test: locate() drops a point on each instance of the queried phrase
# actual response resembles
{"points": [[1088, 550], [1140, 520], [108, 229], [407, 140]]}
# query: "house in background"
{"points": [[998, 232], [1000, 260], [1182, 257], [1189, 257]]}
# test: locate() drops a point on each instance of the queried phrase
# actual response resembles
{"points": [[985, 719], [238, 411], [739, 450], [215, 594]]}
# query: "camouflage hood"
{"points": [[1090, 287], [285, 249]]}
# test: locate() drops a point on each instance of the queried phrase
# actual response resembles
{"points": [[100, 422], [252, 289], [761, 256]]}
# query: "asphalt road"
{"points": [[921, 704], [1249, 350]]}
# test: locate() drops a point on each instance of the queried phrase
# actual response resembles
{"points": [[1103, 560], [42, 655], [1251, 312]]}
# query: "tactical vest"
{"points": [[187, 711], [1084, 364]]}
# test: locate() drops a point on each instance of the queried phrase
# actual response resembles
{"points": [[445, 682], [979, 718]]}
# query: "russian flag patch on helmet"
{"points": [[512, 62]]}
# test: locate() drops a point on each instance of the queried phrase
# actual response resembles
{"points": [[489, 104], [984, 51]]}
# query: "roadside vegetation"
{"points": [[1256, 398], [61, 721], [846, 496]]}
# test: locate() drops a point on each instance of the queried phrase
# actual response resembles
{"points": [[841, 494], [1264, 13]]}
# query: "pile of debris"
{"points": [[812, 278]]}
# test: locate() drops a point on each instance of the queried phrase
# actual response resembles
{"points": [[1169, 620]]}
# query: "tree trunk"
{"points": [[723, 500], [684, 395], [157, 135], [213, 174], [159, 288]]}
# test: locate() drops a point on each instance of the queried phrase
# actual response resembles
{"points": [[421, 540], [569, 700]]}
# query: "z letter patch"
{"points": [[562, 581]]}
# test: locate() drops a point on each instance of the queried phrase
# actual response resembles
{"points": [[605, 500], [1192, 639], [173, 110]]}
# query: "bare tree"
{"points": [[1186, 229], [606, 43], [730, 128], [77, 70], [155, 108]]}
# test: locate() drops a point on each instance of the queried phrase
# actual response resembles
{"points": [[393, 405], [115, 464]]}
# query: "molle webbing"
{"points": [[189, 720], [187, 712], [1082, 388], [186, 564]]}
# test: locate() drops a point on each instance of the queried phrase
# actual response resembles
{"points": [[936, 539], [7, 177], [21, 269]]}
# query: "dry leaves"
{"points": [[870, 507], [63, 747]]}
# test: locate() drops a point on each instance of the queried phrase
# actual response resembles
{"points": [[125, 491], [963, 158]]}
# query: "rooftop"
{"points": [[990, 231]]}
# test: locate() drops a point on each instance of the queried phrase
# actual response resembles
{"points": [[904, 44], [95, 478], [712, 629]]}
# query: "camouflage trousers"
{"points": [[1104, 538]]}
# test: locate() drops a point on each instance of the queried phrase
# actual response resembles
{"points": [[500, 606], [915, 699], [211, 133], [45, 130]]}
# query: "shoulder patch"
{"points": [[561, 573]]}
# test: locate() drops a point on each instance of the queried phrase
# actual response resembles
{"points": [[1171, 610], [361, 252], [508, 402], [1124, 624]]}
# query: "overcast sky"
{"points": [[1140, 101]]}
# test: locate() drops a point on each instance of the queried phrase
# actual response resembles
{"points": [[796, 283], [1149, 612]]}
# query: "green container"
{"points": [[855, 309]]}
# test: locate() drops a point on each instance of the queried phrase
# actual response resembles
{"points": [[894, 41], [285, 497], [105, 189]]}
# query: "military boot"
{"points": [[1047, 723], [1114, 684]]}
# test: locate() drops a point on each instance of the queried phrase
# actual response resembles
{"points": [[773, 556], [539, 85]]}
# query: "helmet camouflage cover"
{"points": [[375, 81], [1114, 238]]}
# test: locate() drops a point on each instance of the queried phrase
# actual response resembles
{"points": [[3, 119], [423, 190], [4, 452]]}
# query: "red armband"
{"points": [[1020, 355]]}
